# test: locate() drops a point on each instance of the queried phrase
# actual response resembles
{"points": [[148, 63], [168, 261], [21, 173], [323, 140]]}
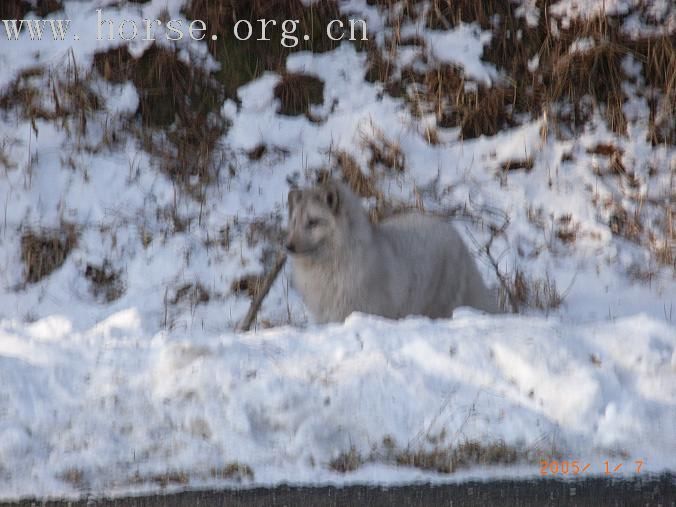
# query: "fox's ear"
{"points": [[292, 198], [332, 198]]}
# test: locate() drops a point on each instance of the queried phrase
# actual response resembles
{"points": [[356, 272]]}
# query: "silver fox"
{"points": [[410, 264]]}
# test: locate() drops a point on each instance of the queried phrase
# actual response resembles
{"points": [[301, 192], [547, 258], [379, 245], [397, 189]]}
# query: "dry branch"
{"points": [[260, 296]]}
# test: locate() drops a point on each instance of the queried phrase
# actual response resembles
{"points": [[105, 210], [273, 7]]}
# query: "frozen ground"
{"points": [[111, 397]]}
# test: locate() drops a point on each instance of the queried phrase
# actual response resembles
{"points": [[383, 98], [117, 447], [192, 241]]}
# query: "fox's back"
{"points": [[441, 273]]}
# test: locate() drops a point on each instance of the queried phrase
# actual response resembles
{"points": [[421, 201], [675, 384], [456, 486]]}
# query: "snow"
{"points": [[462, 46], [126, 391], [286, 402]]}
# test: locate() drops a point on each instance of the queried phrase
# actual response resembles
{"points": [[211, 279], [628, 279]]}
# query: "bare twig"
{"points": [[260, 295], [486, 249]]}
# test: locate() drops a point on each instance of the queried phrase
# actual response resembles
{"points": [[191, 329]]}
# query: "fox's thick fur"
{"points": [[410, 264]]}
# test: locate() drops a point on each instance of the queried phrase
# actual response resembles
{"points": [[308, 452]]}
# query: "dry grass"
{"points": [[170, 478], [244, 61], [523, 292], [437, 456], [467, 454], [249, 285], [43, 251], [595, 72], [625, 224], [572, 84], [106, 282], [75, 477], [346, 461], [238, 472], [69, 101], [458, 102], [179, 111], [383, 152], [364, 185], [17, 9], [526, 164], [567, 229], [297, 93], [191, 293]]}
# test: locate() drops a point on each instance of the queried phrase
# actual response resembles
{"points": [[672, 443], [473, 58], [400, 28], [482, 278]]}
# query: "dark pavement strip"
{"points": [[644, 490]]}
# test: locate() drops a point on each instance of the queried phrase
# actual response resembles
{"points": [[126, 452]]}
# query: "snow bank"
{"points": [[105, 410]]}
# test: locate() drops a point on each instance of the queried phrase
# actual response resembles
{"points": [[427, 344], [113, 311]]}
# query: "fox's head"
{"points": [[313, 219]]}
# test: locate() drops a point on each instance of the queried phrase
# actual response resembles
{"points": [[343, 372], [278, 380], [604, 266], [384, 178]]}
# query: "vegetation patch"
{"points": [[448, 460], [43, 251], [521, 291], [106, 282], [238, 472], [348, 461], [17, 9], [570, 69], [297, 93], [244, 61], [192, 293], [455, 101], [384, 153], [179, 111], [341, 162], [69, 103]]}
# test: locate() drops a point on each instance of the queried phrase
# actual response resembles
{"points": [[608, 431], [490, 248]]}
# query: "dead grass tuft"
{"points": [[43, 251], [384, 153], [238, 472], [523, 292], [250, 284], [193, 293], [73, 476], [593, 72], [458, 102], [348, 461], [467, 454], [106, 282], [567, 229], [172, 478], [69, 101], [517, 164], [298, 92], [352, 174], [625, 224]]}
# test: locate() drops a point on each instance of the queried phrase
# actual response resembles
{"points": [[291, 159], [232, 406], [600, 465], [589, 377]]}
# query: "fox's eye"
{"points": [[313, 222]]}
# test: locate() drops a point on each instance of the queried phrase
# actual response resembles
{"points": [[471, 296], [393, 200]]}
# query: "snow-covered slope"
{"points": [[113, 410], [119, 369]]}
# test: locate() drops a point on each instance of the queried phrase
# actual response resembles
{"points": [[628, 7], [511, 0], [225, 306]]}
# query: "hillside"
{"points": [[143, 188]]}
